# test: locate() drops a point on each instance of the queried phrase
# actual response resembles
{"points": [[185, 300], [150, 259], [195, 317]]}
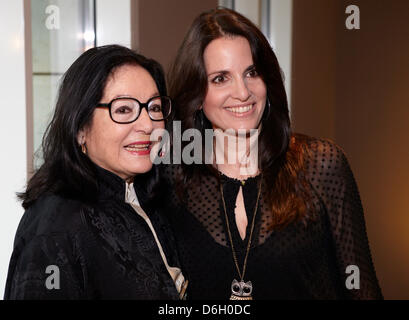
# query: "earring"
{"points": [[162, 152], [84, 148]]}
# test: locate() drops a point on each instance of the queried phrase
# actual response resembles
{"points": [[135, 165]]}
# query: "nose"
{"points": [[144, 122], [241, 90]]}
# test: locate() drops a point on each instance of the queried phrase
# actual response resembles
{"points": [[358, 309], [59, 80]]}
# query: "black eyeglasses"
{"points": [[127, 110]]}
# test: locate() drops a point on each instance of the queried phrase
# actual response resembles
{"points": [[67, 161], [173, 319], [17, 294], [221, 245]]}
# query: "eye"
{"points": [[155, 107], [219, 79], [252, 73], [123, 109]]}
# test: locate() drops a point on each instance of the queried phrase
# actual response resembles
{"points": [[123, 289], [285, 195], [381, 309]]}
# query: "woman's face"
{"points": [[236, 94], [123, 148]]}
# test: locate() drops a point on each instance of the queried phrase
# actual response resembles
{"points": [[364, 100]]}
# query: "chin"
{"points": [[242, 126], [141, 168]]}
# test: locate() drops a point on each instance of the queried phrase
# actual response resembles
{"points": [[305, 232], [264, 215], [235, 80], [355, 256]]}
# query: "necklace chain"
{"points": [[251, 231]]}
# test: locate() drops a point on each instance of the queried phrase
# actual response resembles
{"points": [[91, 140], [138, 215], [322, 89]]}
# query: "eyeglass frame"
{"points": [[141, 104]]}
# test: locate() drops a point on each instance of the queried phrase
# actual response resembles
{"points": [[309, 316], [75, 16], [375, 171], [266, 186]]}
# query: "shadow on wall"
{"points": [[351, 86]]}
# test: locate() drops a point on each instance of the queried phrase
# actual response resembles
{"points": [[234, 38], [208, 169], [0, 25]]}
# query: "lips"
{"points": [[242, 109], [139, 147]]}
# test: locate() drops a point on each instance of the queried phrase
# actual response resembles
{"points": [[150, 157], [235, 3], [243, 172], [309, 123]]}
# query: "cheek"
{"points": [[258, 88], [158, 125], [214, 99], [108, 140]]}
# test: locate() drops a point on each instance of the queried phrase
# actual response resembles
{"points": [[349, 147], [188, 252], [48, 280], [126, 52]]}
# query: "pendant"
{"points": [[241, 290]]}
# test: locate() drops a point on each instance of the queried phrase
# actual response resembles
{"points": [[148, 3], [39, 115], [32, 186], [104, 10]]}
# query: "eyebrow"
{"points": [[128, 96], [250, 68], [226, 71], [218, 72]]}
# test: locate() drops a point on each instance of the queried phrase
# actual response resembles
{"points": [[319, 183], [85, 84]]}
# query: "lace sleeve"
{"points": [[333, 180]]}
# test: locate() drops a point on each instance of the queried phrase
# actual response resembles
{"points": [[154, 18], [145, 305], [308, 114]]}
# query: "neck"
{"points": [[236, 153]]}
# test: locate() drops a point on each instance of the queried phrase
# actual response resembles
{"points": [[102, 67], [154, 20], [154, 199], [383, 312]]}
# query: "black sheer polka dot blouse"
{"points": [[327, 258]]}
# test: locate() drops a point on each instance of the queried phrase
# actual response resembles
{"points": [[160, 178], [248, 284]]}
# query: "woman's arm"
{"points": [[332, 178], [45, 268], [47, 260]]}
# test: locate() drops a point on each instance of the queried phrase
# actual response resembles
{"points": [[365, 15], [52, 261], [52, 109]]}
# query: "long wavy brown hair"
{"points": [[281, 154]]}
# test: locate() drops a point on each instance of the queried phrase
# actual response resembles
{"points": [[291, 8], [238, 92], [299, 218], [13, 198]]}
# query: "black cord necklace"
{"points": [[241, 290]]}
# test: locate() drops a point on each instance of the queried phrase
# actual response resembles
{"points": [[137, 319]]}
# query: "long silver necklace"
{"points": [[241, 290]]}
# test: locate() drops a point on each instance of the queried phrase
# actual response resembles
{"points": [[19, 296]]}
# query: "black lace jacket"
{"points": [[104, 251], [298, 262]]}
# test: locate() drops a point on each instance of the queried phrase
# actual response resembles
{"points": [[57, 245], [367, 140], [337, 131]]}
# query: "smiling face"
{"points": [[122, 148], [236, 94]]}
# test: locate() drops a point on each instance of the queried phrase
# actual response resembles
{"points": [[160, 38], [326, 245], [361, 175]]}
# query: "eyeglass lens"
{"points": [[128, 110]]}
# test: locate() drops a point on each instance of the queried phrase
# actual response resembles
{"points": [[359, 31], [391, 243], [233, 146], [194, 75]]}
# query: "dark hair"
{"points": [[66, 170], [280, 156]]}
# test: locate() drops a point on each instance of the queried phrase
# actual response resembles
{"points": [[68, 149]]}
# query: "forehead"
{"points": [[130, 80], [227, 53]]}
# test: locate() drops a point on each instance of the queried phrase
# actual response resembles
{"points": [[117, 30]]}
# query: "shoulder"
{"points": [[170, 176], [322, 155], [327, 170], [170, 172], [319, 147], [51, 214]]}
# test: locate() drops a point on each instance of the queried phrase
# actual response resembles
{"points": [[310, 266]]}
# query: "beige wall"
{"points": [[352, 86], [313, 72], [159, 26]]}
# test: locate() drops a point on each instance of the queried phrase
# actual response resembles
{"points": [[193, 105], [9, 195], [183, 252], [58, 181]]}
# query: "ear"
{"points": [[81, 137]]}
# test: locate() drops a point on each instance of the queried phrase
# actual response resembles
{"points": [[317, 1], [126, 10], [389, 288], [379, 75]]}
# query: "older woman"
{"points": [[293, 228], [90, 230]]}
